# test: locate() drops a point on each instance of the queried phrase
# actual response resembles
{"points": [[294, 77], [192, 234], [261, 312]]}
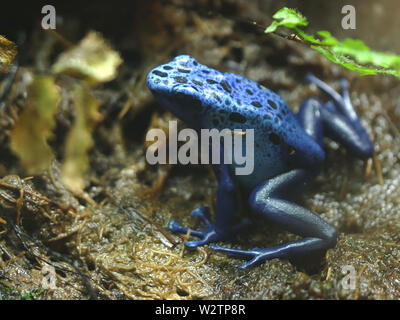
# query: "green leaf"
{"points": [[288, 18], [272, 27], [352, 54]]}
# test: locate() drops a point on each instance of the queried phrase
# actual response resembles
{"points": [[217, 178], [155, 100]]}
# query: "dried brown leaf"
{"points": [[8, 51]]}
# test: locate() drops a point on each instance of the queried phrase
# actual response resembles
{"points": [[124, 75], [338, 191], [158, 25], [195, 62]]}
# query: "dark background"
{"points": [[377, 21]]}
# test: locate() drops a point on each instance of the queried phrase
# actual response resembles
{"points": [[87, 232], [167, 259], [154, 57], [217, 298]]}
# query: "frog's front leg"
{"points": [[226, 206], [269, 200]]}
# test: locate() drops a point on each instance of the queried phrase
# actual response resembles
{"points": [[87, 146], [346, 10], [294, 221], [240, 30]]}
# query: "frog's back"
{"points": [[234, 102]]}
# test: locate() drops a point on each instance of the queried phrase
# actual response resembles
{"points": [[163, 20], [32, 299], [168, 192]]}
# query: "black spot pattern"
{"points": [[272, 104], [226, 86], [160, 73], [198, 83], [256, 104], [216, 97], [167, 68], [209, 81], [237, 117], [180, 79]]}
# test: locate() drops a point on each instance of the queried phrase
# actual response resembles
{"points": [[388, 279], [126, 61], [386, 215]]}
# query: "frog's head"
{"points": [[174, 85]]}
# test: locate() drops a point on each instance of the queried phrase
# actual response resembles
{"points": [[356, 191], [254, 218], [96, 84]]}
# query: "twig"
{"points": [[158, 227]]}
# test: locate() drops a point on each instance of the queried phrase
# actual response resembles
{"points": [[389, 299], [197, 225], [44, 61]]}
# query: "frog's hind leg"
{"points": [[309, 117], [267, 200], [337, 119], [226, 207]]}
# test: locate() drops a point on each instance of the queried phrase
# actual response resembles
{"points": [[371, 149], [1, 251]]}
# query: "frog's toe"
{"points": [[175, 227], [253, 262], [207, 236], [235, 253], [256, 255], [259, 256], [202, 213], [211, 233]]}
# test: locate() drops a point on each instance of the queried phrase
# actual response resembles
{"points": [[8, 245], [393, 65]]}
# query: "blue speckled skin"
{"points": [[288, 150]]}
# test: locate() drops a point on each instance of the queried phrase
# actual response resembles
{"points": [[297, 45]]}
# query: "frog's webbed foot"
{"points": [[256, 255], [208, 235]]}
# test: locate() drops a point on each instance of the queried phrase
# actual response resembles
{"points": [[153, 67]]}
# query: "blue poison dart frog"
{"points": [[288, 152]]}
